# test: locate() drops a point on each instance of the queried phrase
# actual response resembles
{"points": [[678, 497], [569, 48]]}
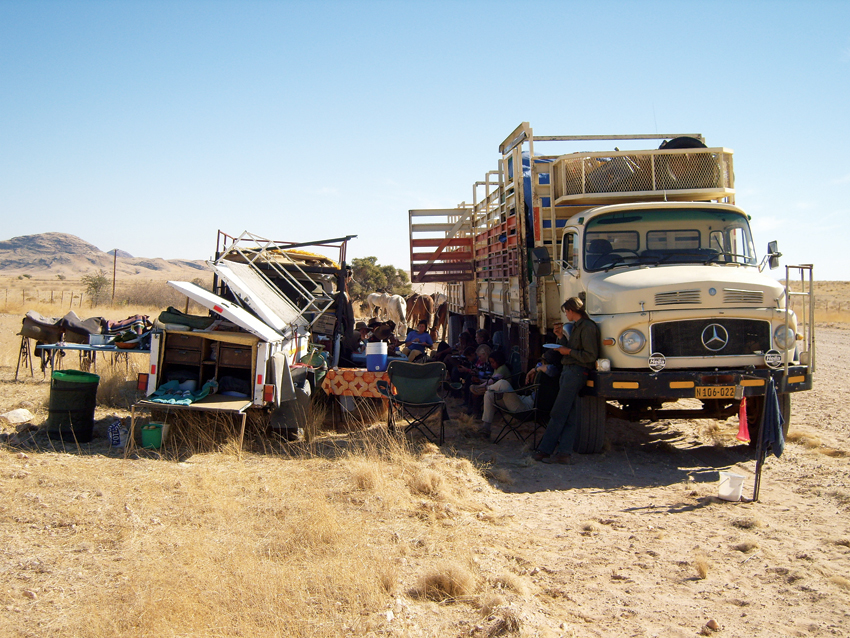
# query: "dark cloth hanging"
{"points": [[773, 438]]}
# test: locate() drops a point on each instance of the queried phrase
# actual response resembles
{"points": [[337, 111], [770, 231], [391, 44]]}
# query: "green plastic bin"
{"points": [[152, 436], [70, 409]]}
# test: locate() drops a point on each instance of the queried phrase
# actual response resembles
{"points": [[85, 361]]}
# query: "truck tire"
{"points": [[754, 409], [591, 425]]}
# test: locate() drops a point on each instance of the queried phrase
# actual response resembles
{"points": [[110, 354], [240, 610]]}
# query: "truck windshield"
{"points": [[669, 236]]}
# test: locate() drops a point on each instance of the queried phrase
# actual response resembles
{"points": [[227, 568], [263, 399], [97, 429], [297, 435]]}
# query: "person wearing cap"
{"points": [[579, 353], [361, 328]]}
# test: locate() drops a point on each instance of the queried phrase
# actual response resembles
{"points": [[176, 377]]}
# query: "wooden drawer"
{"points": [[234, 357], [184, 342], [174, 355]]}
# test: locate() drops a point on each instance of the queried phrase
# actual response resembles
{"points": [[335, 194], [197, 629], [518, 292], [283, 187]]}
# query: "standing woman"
{"points": [[579, 354]]}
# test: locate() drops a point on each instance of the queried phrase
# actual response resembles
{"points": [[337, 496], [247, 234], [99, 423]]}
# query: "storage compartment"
{"points": [[182, 356], [235, 357], [184, 342]]}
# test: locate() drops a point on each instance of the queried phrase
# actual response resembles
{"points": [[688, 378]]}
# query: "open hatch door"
{"points": [[228, 310]]}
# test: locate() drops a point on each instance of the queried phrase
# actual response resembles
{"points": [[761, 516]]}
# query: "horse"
{"points": [[441, 322], [396, 309], [439, 299], [377, 303], [419, 308]]}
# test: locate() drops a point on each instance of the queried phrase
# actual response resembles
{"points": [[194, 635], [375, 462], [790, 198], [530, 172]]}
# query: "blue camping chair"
{"points": [[413, 394]]}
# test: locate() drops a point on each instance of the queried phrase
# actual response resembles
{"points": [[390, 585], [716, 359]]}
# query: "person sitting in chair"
{"points": [[417, 341], [503, 392]]}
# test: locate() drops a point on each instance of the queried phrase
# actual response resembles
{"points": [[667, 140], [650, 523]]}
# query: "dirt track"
{"points": [[612, 542]]}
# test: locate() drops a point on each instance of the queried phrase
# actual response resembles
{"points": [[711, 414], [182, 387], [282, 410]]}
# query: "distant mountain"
{"points": [[62, 254]]}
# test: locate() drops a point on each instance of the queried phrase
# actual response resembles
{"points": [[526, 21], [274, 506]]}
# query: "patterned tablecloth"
{"points": [[353, 382]]}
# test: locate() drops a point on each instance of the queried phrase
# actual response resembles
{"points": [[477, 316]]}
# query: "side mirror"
{"points": [[773, 255], [541, 262]]}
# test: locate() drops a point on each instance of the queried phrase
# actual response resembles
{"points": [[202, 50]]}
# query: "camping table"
{"points": [[346, 383], [210, 403], [354, 382], [85, 348]]}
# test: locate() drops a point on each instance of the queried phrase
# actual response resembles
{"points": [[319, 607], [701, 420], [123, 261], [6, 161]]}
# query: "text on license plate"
{"points": [[715, 392]]}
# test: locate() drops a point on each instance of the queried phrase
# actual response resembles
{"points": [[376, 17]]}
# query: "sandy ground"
{"points": [[634, 542]]}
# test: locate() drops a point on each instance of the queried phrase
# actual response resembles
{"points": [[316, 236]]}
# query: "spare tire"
{"points": [[681, 142]]}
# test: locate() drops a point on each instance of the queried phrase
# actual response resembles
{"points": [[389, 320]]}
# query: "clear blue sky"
{"points": [[147, 126]]}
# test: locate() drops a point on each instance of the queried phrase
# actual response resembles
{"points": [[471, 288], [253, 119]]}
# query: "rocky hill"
{"points": [[62, 254]]}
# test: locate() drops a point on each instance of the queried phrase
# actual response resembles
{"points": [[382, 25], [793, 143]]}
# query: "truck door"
{"points": [[570, 286]]}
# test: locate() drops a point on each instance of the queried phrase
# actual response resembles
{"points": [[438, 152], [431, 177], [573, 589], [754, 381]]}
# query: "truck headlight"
{"points": [[632, 341], [784, 338]]}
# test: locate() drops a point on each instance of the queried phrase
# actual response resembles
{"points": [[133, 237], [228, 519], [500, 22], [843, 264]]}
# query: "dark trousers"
{"points": [[560, 435]]}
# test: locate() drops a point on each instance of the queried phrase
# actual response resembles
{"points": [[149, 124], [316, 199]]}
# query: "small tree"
{"points": [[370, 276], [96, 286]]}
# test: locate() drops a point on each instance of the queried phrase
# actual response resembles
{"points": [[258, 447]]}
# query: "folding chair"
{"points": [[545, 392], [416, 397]]}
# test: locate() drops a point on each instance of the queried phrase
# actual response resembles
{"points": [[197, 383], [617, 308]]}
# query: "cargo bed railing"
{"points": [[256, 250]]}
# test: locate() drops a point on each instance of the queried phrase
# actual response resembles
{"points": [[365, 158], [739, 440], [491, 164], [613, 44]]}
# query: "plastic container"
{"points": [[376, 356], [731, 486], [152, 436], [70, 409]]}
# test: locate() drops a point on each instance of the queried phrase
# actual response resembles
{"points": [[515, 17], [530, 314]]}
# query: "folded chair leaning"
{"points": [[413, 394]]}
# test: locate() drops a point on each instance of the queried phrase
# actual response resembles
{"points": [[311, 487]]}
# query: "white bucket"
{"points": [[731, 486], [376, 356]]}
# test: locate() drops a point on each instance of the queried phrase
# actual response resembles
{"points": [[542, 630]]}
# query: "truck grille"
{"points": [[730, 295], [710, 337], [678, 297]]}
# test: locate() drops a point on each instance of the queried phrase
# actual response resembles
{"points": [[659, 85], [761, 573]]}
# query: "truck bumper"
{"points": [[683, 384]]}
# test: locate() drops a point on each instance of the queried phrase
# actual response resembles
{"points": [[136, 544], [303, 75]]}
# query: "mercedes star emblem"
{"points": [[715, 337]]}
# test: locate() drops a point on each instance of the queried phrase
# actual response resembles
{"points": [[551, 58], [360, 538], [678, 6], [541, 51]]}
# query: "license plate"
{"points": [[715, 392]]}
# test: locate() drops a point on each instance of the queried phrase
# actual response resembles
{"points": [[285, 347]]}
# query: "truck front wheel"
{"points": [[755, 405], [591, 425]]}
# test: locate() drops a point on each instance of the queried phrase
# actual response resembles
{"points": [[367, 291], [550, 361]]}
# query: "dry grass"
{"points": [[446, 582], [806, 439], [746, 547], [841, 582], [510, 582], [267, 546], [702, 566], [748, 522]]}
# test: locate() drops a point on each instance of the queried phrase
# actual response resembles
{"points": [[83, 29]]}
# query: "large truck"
{"points": [[652, 242]]}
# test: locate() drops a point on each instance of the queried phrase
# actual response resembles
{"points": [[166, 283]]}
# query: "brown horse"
{"points": [[419, 308], [441, 322]]}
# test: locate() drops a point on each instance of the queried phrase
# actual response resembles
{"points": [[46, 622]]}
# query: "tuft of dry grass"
{"points": [[805, 438], [843, 542], [489, 602], [702, 566], [746, 547], [748, 522], [832, 452], [511, 582], [841, 582], [500, 475], [447, 582]]}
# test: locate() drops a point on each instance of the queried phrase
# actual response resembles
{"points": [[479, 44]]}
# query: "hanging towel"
{"points": [[772, 435]]}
